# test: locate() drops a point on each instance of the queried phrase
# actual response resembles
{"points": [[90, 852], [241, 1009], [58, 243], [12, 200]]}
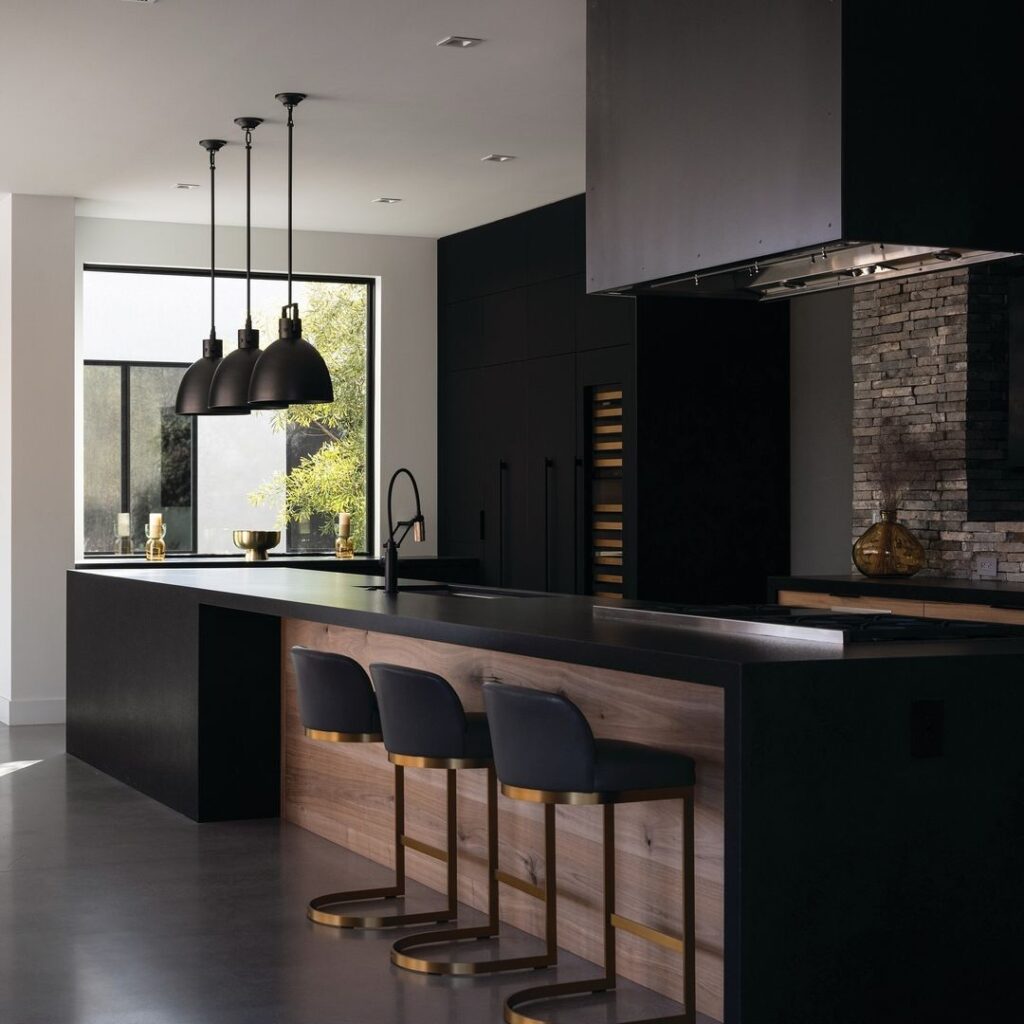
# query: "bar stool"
{"points": [[426, 726], [337, 705], [545, 752]]}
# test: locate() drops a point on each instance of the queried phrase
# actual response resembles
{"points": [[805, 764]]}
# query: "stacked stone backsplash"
{"points": [[930, 356]]}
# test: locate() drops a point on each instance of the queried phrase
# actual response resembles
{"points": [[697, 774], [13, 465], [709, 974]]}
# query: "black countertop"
{"points": [[916, 588], [556, 627]]}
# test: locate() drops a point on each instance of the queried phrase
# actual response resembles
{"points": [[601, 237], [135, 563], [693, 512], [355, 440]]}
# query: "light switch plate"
{"points": [[986, 566]]}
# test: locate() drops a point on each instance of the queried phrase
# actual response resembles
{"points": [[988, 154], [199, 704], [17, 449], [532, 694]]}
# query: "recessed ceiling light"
{"points": [[459, 42], [185, 186], [387, 200], [141, 1], [497, 158]]}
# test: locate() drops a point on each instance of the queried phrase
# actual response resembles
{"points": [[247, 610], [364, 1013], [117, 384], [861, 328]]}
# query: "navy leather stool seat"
{"points": [[423, 718], [336, 698], [545, 752], [426, 726], [337, 704], [620, 767]]}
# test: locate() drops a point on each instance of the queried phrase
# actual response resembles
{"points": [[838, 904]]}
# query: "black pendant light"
{"points": [[290, 371], [194, 389], [229, 391]]}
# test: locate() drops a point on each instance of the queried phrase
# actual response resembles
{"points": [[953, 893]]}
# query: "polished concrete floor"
{"points": [[116, 910]]}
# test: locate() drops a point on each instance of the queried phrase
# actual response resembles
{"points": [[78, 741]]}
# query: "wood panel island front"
{"points": [[859, 809]]}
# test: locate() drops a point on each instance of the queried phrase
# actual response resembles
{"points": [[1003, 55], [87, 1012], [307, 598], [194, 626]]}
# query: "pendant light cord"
{"points": [[213, 244], [291, 129], [248, 228]]}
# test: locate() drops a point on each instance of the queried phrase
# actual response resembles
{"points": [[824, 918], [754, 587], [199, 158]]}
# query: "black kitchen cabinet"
{"points": [[712, 448], [483, 470], [601, 321], [460, 325], [514, 319], [507, 471], [551, 317], [549, 554]]}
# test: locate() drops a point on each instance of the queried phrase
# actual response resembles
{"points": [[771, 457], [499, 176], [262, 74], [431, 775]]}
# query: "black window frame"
{"points": [[369, 283]]}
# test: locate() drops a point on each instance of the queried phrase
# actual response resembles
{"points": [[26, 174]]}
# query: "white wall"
{"points": [[405, 318], [37, 498], [821, 432]]}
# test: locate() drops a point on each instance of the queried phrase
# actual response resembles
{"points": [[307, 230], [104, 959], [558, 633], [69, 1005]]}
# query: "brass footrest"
{"points": [[422, 965], [318, 911], [535, 995], [574, 988]]}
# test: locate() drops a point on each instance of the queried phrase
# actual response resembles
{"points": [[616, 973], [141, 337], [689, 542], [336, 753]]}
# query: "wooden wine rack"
{"points": [[605, 474]]}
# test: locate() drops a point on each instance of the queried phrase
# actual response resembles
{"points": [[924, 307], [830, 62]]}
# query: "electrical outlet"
{"points": [[986, 566]]}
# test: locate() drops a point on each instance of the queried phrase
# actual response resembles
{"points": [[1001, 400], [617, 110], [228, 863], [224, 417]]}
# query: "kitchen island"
{"points": [[859, 808]]}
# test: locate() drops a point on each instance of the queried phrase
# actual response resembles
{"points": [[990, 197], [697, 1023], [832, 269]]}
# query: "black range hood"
{"points": [[737, 148]]}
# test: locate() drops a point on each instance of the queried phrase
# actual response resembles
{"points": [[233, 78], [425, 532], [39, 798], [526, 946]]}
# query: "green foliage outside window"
{"points": [[332, 479]]}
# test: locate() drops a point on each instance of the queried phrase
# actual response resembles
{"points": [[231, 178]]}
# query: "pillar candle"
{"points": [[344, 524], [124, 524], [156, 520]]}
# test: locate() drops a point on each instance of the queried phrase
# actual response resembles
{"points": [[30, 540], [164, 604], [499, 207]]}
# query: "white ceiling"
{"points": [[106, 100]]}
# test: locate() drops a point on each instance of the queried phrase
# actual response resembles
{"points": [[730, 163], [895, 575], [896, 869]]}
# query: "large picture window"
{"points": [[291, 469]]}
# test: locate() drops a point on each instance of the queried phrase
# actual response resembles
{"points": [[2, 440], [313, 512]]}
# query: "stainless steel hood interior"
{"points": [[834, 265]]}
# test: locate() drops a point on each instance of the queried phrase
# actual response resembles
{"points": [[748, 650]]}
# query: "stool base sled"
{"points": [[402, 950], [322, 909], [685, 946]]}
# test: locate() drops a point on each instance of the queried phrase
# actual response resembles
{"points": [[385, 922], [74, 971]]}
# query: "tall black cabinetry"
{"points": [[516, 334]]}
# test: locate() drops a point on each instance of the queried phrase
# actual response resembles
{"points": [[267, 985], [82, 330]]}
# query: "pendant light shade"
{"points": [[194, 390], [290, 371], [229, 389]]}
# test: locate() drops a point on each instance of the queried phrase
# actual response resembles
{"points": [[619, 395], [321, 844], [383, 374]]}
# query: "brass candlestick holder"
{"points": [[156, 549], [344, 546]]}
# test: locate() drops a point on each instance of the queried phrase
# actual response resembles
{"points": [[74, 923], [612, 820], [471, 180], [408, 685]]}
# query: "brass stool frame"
{"points": [[547, 894], [686, 945], [319, 910]]}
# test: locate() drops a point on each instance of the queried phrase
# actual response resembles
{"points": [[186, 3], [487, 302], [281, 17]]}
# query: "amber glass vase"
{"points": [[888, 548]]}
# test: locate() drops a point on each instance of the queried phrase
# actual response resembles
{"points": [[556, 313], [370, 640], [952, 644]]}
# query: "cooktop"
{"points": [[813, 624]]}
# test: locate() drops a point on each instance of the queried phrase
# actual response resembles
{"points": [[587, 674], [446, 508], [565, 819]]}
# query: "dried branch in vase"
{"points": [[901, 465]]}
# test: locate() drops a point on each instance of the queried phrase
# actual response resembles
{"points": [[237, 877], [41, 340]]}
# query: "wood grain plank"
{"points": [[860, 603]]}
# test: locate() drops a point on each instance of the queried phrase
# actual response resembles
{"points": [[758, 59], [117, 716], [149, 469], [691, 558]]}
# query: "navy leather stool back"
{"points": [[541, 740], [335, 693], [422, 716]]}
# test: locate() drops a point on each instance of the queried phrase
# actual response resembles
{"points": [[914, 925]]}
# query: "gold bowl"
{"points": [[256, 543]]}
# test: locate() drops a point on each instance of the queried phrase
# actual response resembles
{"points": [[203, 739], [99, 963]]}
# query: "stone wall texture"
{"points": [[930, 416]]}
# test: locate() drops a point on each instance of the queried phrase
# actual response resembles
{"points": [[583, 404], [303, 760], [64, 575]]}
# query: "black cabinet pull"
{"points": [[549, 464], [483, 524], [502, 468]]}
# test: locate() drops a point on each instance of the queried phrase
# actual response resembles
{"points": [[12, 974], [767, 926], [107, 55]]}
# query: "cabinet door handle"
{"points": [[502, 468], [483, 525], [549, 464]]}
